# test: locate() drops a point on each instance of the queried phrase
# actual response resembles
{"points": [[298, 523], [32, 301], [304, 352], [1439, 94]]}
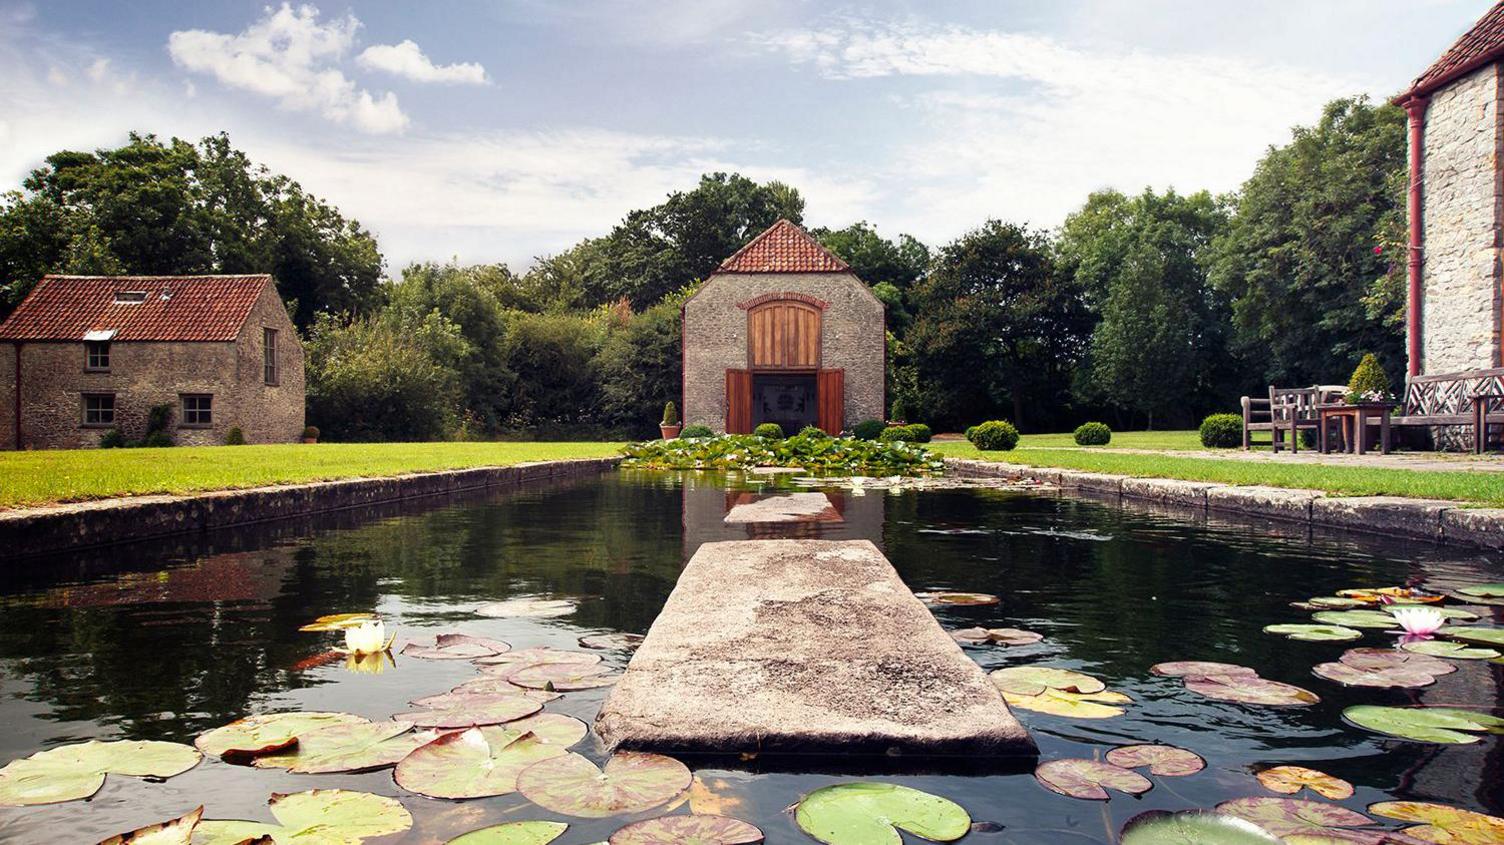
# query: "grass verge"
{"points": [[1178, 441], [45, 477]]}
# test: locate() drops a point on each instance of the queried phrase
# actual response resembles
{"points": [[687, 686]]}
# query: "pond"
{"points": [[166, 640]]}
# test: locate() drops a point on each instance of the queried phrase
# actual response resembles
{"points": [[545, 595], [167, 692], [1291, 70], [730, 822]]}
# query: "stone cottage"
{"points": [[783, 332], [82, 355]]}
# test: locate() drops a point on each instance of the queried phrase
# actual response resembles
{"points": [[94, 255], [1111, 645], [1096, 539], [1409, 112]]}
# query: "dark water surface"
{"points": [[166, 640]]}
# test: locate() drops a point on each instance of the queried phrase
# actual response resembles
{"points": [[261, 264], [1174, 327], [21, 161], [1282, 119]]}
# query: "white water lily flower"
{"points": [[367, 638], [1418, 621]]}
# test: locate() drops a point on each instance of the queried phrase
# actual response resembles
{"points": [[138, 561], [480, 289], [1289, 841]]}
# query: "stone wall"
{"points": [[715, 340], [1461, 196]]}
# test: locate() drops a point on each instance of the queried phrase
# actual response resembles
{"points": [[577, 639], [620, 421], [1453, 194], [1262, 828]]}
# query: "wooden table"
{"points": [[1355, 418]]}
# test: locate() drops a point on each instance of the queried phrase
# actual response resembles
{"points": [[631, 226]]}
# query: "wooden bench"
{"points": [[1450, 399], [1285, 414]]}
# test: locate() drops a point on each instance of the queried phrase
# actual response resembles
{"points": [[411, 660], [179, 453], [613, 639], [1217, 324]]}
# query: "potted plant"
{"points": [[670, 426], [1368, 385], [311, 434]]}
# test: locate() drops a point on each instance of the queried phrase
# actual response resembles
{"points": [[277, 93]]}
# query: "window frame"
{"points": [[270, 366], [183, 410], [83, 404], [90, 347]]}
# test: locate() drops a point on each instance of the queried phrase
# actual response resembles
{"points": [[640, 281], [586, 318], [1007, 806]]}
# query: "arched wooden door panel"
{"points": [[783, 335]]}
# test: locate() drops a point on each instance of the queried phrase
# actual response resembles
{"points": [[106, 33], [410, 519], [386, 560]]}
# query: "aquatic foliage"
{"points": [[178, 831], [1418, 621], [77, 771], [266, 732], [1162, 760], [959, 599], [513, 833], [456, 647], [339, 621], [1314, 633], [873, 813], [527, 608], [1188, 668], [315, 817], [1193, 827], [1357, 618], [631, 782], [1407, 677], [682, 830], [1293, 816], [1480, 636], [1391, 595], [1448, 725], [475, 763], [1440, 823], [456, 710], [1058, 692], [823, 454], [996, 636], [1444, 648], [1290, 780], [1246, 689], [353, 747], [1492, 594], [1089, 780], [1033, 680], [562, 677], [616, 641]]}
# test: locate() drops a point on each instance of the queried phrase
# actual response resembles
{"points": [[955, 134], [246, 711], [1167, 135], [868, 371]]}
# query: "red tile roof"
{"points": [[1481, 45], [174, 308], [783, 248]]}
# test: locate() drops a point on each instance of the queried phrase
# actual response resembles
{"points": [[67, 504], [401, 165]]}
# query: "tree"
{"points": [[890, 268], [1304, 262], [639, 366], [552, 357]]}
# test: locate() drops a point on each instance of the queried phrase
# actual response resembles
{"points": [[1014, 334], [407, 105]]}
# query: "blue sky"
{"points": [[503, 130]]}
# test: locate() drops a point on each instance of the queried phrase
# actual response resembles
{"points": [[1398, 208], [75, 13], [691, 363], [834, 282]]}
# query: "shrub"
{"points": [[691, 431], [112, 439], [896, 434], [311, 432], [868, 429], [921, 432], [1093, 434], [1222, 431], [234, 437], [994, 436], [900, 412], [970, 429], [158, 439], [158, 419], [769, 431], [670, 414], [1368, 381], [823, 454], [813, 432]]}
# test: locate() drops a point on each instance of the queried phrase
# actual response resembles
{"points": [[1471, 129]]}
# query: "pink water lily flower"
{"points": [[1420, 622]]}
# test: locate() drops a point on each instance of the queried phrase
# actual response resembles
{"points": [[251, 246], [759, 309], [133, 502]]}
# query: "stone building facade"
{"points": [[84, 355], [783, 332]]}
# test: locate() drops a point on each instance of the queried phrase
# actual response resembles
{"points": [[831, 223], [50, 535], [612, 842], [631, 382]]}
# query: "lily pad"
{"points": [[1489, 591], [1401, 595], [315, 817], [468, 711], [1356, 618], [1440, 823], [1292, 816], [873, 813], [178, 831], [1195, 827], [1033, 680], [1389, 658], [1192, 668], [996, 636], [957, 599], [562, 677], [1446, 648], [499, 686], [1484, 636], [1351, 676], [456, 647], [1097, 705], [1336, 602], [1245, 690], [1317, 633], [1456, 613], [355, 747], [631, 782], [527, 608], [612, 642], [339, 621], [468, 696], [502, 664], [266, 733], [687, 830], [475, 763], [76, 771], [1162, 760], [1089, 780], [1448, 725], [1292, 779], [513, 833]]}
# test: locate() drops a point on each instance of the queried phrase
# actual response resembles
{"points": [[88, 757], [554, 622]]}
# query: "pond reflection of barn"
{"points": [[707, 500]]}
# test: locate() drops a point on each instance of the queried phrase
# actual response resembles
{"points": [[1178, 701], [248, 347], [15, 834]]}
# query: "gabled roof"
{"points": [[124, 308], [1479, 46], [783, 248]]}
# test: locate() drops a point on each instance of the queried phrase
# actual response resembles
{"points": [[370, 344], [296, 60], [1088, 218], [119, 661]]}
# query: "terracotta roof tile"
{"points": [[783, 248], [1477, 47], [170, 308]]}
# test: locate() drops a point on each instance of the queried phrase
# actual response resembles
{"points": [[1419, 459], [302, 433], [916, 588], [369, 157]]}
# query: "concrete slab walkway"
{"points": [[804, 647], [791, 507]]}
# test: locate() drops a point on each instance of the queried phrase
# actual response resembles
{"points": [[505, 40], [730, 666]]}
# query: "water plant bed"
{"points": [[804, 646]]}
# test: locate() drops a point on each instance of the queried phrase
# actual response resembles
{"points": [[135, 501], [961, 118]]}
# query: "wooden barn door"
{"points": [[830, 393], [738, 401]]}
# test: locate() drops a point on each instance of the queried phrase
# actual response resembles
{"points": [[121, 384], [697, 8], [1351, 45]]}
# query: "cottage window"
{"points": [[198, 410], [97, 355], [269, 355], [99, 409]]}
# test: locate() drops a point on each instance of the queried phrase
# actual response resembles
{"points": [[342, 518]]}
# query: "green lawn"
{"points": [[1170, 440], [32, 478], [1481, 487]]}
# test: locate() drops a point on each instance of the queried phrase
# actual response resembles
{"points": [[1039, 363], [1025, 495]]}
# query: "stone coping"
{"points": [[57, 528], [1453, 523]]}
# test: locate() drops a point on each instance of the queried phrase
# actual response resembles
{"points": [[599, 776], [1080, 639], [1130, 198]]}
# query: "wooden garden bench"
{"points": [[1287, 412], [1455, 399]]}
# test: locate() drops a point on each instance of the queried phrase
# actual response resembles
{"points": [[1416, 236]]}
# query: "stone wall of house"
{"points": [[1461, 215], [715, 340], [7, 396]]}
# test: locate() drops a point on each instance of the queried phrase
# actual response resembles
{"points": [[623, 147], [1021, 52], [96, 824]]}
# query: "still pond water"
{"points": [[166, 640]]}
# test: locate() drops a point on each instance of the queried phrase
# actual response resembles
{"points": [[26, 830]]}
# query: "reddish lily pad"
{"points": [[178, 831], [612, 642], [1292, 779], [1292, 816], [688, 830], [1089, 780], [553, 728], [323, 816], [76, 771], [355, 747], [1388, 658], [513, 833], [1198, 668], [527, 608], [957, 599], [495, 686], [1193, 827], [1033, 680], [339, 621], [267, 732], [1251, 690], [630, 783], [996, 636], [1315, 633], [1447, 648], [465, 697], [562, 677], [1440, 823], [1162, 760], [502, 664], [475, 763], [456, 647], [468, 711], [1351, 676], [873, 813]]}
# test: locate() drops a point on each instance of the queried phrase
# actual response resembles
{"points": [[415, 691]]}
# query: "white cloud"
{"points": [[407, 60], [291, 56], [99, 70]]}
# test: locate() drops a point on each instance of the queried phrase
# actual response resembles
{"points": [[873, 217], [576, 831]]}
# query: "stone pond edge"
{"points": [[1451, 523]]}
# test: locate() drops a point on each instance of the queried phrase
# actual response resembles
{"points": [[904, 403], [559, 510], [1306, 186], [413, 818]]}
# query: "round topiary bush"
{"points": [[769, 431], [1093, 434], [868, 429], [1222, 431], [994, 436], [691, 431], [896, 434], [1369, 382], [234, 437], [813, 432], [921, 432]]}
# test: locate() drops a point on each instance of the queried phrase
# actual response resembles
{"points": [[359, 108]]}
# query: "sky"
{"points": [[502, 130]]}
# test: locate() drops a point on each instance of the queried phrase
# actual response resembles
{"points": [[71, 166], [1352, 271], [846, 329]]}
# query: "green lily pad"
{"points": [[562, 677], [1033, 680], [552, 728], [1072, 705], [1352, 676], [957, 599], [339, 621], [1448, 725], [513, 833], [1290, 780], [527, 608], [469, 711], [1192, 668], [688, 830], [77, 771], [1292, 816], [1316, 633], [1162, 760], [631, 782], [1245, 690], [873, 813], [266, 733], [1196, 827], [1440, 823], [355, 747], [475, 763], [471, 696], [456, 647], [1491, 591], [178, 831], [1484, 636], [1089, 780], [1447, 648], [1356, 618], [1335, 602], [315, 817], [617, 641]]}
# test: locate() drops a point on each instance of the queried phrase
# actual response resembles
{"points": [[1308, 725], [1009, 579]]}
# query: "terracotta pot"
{"points": [[310, 440], [669, 432]]}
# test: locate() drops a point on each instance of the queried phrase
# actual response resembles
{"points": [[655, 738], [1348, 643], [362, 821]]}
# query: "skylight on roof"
{"points": [[129, 297]]}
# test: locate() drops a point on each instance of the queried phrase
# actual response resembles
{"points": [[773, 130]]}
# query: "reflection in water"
{"points": [[164, 640]]}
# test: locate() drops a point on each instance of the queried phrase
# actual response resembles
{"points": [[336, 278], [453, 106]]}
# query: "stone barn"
{"points": [[783, 332]]}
